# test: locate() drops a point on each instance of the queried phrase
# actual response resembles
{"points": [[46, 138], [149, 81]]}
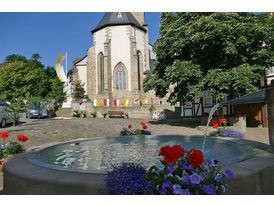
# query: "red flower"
{"points": [[171, 154], [129, 126], [196, 157], [222, 120], [22, 138], [4, 134], [215, 125], [144, 127], [142, 123]]}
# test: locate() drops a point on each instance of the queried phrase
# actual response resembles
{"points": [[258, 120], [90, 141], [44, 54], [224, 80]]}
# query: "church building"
{"points": [[115, 66]]}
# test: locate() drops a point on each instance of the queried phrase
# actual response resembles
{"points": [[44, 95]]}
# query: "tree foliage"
{"points": [[23, 79], [78, 90], [225, 53]]}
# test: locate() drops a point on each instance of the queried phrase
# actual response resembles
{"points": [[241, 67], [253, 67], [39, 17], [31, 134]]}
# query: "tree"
{"points": [[70, 72], [78, 90], [18, 80], [27, 79], [225, 53], [15, 57]]}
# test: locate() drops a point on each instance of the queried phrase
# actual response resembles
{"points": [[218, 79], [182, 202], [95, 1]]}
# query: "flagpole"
{"points": [[66, 63]]}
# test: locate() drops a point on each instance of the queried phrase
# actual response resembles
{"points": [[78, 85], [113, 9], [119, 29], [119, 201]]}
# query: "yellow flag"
{"points": [[98, 103], [144, 102], [125, 102]]}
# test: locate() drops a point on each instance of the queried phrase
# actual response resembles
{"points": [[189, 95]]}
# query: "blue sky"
{"points": [[51, 33]]}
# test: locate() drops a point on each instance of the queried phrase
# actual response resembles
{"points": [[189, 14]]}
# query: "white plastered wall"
{"points": [[120, 47], [82, 72]]}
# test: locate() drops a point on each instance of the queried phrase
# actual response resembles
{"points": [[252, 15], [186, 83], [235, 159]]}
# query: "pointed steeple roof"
{"points": [[117, 18]]}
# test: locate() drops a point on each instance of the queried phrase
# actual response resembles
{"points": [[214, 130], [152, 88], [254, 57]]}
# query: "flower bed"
{"points": [[11, 147], [184, 173], [222, 130], [129, 131]]}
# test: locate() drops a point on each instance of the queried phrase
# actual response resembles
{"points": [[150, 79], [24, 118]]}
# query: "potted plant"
{"points": [[75, 113], [83, 114], [10, 147], [104, 114], [126, 114], [93, 114]]}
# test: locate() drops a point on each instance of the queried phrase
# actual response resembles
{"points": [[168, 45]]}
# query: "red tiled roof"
{"points": [[75, 62]]}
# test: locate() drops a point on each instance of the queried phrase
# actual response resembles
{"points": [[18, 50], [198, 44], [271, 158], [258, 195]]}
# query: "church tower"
{"points": [[118, 61], [140, 17]]}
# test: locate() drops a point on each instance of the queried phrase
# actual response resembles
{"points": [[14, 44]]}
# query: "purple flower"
{"points": [[195, 178], [154, 170], [167, 184], [186, 165], [218, 177], [229, 174], [170, 169], [185, 180], [215, 161], [176, 189], [209, 189], [184, 192], [224, 189]]}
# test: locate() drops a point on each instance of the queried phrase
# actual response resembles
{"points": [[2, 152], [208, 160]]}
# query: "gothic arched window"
{"points": [[120, 77], [101, 69]]}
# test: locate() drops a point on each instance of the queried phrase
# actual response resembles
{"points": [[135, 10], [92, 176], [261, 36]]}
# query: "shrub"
{"points": [[128, 179], [93, 114], [75, 113], [83, 113], [126, 114], [104, 114]]}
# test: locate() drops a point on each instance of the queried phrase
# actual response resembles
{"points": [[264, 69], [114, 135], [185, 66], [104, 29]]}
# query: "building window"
{"points": [[138, 71], [120, 78], [101, 59]]}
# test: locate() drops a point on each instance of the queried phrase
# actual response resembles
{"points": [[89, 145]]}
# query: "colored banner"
{"points": [[135, 101], [98, 103], [94, 102], [145, 101]]}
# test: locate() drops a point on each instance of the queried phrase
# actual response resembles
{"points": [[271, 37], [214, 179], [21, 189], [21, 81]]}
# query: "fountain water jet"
{"points": [[213, 110]]}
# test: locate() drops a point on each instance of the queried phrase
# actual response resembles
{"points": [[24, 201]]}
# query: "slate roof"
{"points": [[255, 97], [117, 19]]}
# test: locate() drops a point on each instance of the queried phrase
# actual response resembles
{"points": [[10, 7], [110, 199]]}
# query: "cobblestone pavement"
{"points": [[45, 131]]}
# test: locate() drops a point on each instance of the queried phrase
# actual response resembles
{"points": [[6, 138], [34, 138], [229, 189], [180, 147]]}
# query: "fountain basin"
{"points": [[31, 173]]}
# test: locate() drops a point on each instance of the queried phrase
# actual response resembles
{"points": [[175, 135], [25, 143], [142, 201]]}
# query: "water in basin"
{"points": [[101, 153]]}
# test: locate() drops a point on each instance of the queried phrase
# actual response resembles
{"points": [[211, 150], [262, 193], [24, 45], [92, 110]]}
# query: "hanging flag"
{"points": [[135, 101], [151, 100], [81, 101], [115, 103], [108, 102], [98, 103], [118, 102], [94, 102], [105, 102], [125, 101], [145, 101]]}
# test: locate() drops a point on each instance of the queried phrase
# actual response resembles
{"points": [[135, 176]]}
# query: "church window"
{"points": [[102, 72], [120, 78], [119, 15]]}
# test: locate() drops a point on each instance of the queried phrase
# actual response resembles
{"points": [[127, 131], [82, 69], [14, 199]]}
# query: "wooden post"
{"points": [[270, 111]]}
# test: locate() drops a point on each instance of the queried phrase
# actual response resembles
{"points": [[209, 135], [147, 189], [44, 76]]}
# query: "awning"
{"points": [[256, 97]]}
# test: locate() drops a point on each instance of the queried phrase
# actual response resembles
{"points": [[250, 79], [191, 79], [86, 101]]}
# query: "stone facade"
{"points": [[124, 46]]}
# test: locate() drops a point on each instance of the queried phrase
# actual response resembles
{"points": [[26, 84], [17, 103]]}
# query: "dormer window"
{"points": [[119, 15]]}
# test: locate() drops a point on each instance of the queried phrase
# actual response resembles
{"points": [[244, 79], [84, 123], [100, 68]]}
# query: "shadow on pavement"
{"points": [[175, 122]]}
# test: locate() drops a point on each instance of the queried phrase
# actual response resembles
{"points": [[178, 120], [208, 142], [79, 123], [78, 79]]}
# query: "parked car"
{"points": [[7, 115], [38, 109]]}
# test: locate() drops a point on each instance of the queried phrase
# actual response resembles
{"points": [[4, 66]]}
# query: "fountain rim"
{"points": [[32, 154]]}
